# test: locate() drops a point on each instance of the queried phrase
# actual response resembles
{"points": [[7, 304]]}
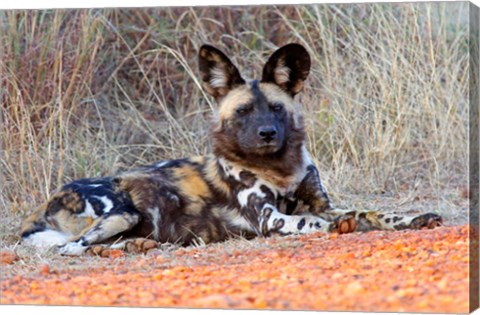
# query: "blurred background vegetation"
{"points": [[88, 93]]}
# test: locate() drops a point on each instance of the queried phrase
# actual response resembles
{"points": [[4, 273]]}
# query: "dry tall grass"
{"points": [[90, 92]]}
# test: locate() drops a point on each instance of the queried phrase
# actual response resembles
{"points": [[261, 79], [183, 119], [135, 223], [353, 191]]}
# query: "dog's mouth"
{"points": [[266, 148], [269, 146]]}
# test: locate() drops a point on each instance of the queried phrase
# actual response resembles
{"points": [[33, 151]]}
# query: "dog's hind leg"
{"points": [[102, 229]]}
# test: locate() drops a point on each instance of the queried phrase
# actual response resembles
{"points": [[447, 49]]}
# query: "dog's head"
{"points": [[255, 118]]}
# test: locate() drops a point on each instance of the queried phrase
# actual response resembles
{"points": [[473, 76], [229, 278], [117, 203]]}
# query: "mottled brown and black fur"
{"points": [[259, 181]]}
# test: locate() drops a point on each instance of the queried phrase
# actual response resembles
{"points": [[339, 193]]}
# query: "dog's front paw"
{"points": [[427, 220], [344, 224]]}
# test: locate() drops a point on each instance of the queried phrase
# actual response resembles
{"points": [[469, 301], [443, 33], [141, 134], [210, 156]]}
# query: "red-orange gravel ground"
{"points": [[406, 271]]}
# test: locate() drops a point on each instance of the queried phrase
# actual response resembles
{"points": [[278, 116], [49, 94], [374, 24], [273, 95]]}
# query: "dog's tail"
{"points": [[56, 222], [36, 230]]}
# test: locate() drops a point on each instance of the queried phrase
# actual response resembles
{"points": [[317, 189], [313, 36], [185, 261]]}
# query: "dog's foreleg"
{"points": [[272, 221]]}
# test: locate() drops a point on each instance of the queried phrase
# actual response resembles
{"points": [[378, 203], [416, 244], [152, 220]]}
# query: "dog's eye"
{"points": [[276, 107], [242, 110]]}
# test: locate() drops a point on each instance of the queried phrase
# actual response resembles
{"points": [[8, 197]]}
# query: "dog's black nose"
{"points": [[267, 133]]}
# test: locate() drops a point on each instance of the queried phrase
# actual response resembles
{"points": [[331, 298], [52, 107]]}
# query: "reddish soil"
{"points": [[407, 271]]}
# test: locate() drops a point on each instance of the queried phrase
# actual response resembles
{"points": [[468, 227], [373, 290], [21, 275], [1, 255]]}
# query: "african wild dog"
{"points": [[260, 179]]}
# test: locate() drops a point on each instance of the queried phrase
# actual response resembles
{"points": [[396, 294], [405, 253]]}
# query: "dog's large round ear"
{"points": [[288, 68], [218, 73]]}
